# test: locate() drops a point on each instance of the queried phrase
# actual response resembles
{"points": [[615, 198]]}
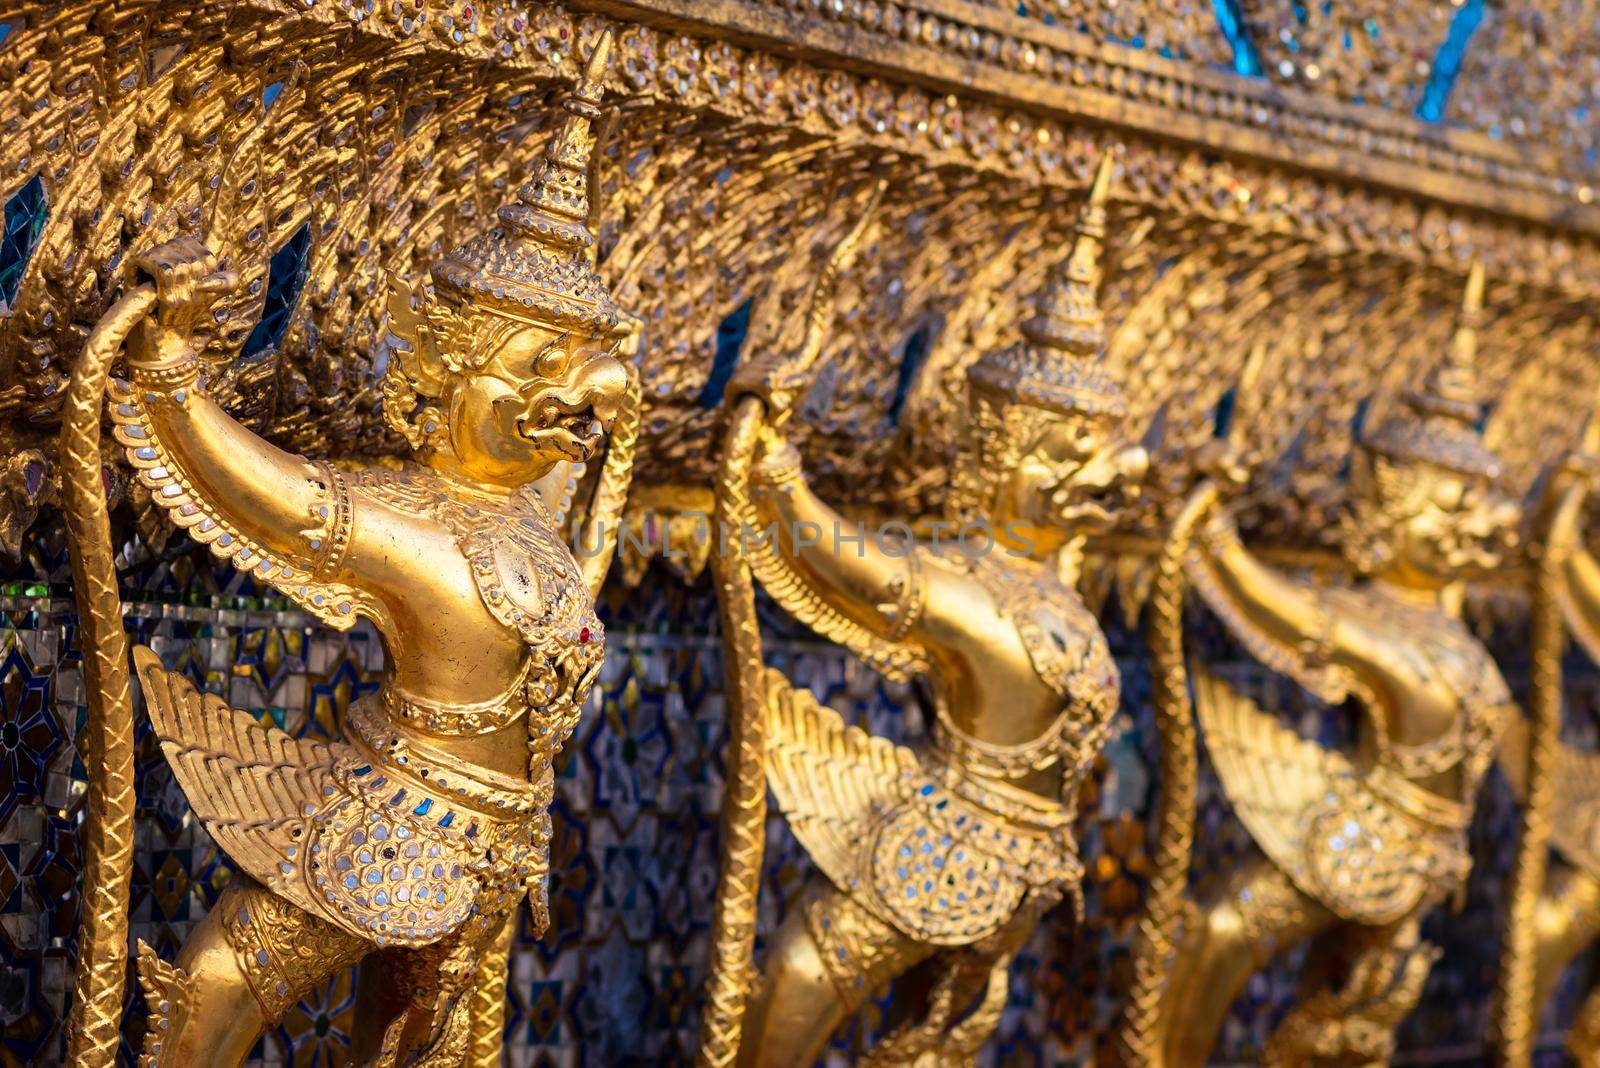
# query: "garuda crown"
{"points": [[533, 268], [1060, 364], [1439, 422]]}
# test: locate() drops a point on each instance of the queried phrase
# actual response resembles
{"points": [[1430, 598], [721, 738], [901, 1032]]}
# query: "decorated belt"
{"points": [[958, 748], [1414, 801], [1019, 808], [431, 770]]}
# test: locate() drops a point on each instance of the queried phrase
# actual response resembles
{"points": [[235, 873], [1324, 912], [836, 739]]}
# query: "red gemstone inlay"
{"points": [[583, 635]]}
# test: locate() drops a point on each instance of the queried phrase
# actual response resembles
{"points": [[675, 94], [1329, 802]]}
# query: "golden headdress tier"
{"points": [[1439, 422], [1060, 364], [535, 265]]}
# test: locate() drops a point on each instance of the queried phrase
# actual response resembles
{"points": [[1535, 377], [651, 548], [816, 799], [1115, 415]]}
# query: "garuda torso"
{"points": [[386, 833], [1362, 835], [935, 839]]}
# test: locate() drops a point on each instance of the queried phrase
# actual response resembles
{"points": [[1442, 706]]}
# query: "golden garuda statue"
{"points": [[954, 849], [1554, 912], [419, 833], [1355, 846]]}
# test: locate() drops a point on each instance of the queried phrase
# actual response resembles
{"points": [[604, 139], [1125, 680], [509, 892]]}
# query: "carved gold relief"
{"points": [[224, 195], [714, 178], [425, 825], [1353, 848]]}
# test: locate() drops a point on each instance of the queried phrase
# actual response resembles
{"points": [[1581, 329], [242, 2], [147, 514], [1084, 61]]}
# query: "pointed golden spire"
{"points": [[1060, 363], [555, 200], [1464, 346], [1067, 312], [1451, 391], [1439, 423], [535, 265]]}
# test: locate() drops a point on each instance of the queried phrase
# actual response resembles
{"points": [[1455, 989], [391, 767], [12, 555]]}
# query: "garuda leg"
{"points": [[434, 1027], [1229, 934], [1566, 920], [398, 982], [242, 967], [829, 956], [1583, 1041], [1380, 974], [963, 1011]]}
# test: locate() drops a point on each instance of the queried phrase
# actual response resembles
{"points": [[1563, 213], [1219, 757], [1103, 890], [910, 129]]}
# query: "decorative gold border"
{"points": [[1270, 158]]}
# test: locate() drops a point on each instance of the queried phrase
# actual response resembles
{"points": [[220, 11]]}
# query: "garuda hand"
{"points": [[779, 461], [1225, 465], [188, 283], [1580, 466], [778, 382]]}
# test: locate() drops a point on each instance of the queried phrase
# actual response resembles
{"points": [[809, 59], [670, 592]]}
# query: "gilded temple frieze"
{"points": [[947, 327], [321, 139]]}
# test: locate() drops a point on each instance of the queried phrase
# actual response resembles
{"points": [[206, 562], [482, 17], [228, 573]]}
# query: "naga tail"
{"points": [[1165, 901], [744, 809], [602, 522], [107, 741], [1514, 1017]]}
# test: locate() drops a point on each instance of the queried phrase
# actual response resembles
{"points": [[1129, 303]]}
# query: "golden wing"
{"points": [[1575, 814], [1513, 756], [1272, 776], [1575, 800], [828, 777], [251, 785]]}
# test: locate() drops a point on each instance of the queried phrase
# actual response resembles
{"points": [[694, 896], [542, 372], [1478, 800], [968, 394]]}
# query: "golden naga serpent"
{"points": [[1165, 904], [744, 808], [1513, 1021], [107, 742]]}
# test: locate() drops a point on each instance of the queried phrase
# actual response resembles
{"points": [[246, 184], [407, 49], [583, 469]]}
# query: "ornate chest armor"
{"points": [[935, 840], [1068, 652], [530, 582], [385, 835], [1368, 842]]}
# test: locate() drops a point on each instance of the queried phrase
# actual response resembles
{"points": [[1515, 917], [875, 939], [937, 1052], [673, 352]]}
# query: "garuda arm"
{"points": [[1283, 623], [860, 588], [281, 517], [1576, 571]]}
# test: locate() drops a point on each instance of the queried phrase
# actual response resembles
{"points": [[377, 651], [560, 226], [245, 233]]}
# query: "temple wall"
{"points": [[1307, 180]]}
